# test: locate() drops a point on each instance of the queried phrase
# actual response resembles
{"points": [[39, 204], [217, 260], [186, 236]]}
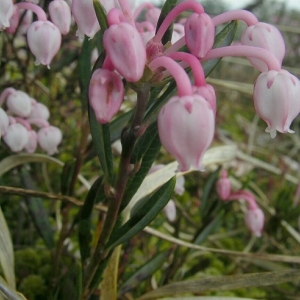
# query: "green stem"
{"points": [[128, 139]]}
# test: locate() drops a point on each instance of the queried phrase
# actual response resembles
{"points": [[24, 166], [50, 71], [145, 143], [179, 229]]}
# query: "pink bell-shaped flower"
{"points": [[6, 12], [49, 138], [106, 93], [186, 129], [14, 21], [16, 137], [224, 186], [44, 40], [277, 100], [199, 34], [126, 50], [39, 111], [60, 14], [4, 122], [254, 220], [265, 36], [85, 17], [31, 145], [19, 103]]}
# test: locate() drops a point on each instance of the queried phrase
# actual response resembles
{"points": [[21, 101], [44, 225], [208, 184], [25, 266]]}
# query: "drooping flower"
{"points": [[31, 145], [186, 129], [39, 111], [13, 21], [60, 14], [16, 137], [4, 122], [224, 186], [276, 100], [44, 40], [106, 93], [18, 103], [255, 219], [199, 34], [264, 36], [49, 138], [6, 12], [126, 50], [170, 210]]}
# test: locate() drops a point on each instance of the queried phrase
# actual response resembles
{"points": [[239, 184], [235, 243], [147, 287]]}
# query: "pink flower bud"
{"points": [[106, 93], [224, 186], [6, 12], [44, 41], [60, 14], [199, 34], [186, 129], [276, 100], [126, 50], [14, 21], [31, 145], [39, 111], [208, 93], [16, 137], [170, 210], [265, 36], [255, 219], [49, 138], [4, 122], [85, 18], [19, 103]]}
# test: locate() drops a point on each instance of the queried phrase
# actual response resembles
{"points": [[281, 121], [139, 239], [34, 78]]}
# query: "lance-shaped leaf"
{"points": [[84, 225], [101, 15], [144, 216], [144, 272], [9, 293]]}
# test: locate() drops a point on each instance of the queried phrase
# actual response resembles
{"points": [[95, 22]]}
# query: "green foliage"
{"points": [[33, 287]]}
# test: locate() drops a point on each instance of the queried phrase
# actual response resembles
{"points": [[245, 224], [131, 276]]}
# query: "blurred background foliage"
{"points": [[44, 232]]}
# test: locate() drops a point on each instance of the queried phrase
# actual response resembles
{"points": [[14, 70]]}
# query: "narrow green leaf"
{"points": [[101, 141], [144, 216], [145, 152], [38, 212], [70, 286], [9, 292], [84, 225], [144, 272], [84, 69], [206, 199], [101, 15], [66, 177], [6, 252], [223, 283], [168, 6]]}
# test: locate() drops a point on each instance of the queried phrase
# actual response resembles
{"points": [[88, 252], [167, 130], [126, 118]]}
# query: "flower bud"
{"points": [[224, 186], [60, 14], [186, 129], [6, 12], [19, 103], [276, 100], [16, 137], [265, 36], [255, 219], [126, 50], [4, 122], [49, 138], [44, 41], [106, 93], [199, 34]]}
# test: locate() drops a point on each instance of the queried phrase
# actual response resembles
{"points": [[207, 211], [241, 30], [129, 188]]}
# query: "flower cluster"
{"points": [[254, 217], [22, 113], [186, 123]]}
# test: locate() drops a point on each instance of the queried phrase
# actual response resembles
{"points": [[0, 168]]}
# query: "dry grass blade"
{"points": [[223, 283]]}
